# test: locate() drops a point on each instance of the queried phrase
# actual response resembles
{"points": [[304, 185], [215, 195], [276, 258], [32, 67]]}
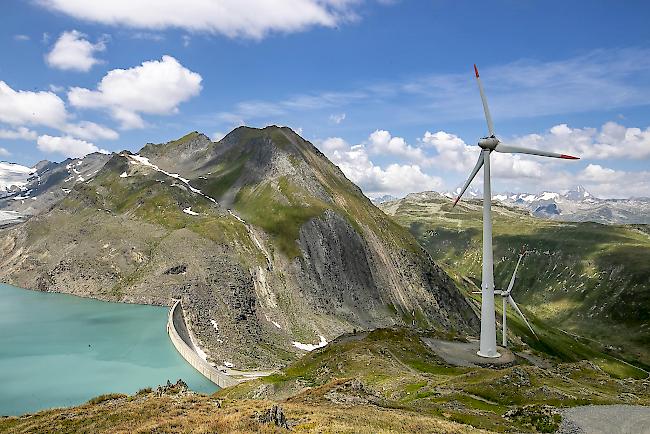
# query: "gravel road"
{"points": [[606, 419]]}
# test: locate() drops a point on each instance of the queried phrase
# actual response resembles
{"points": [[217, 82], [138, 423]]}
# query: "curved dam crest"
{"points": [[180, 337]]}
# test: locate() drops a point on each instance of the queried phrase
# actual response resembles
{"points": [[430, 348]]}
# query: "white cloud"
{"points": [[454, 154], [249, 110], [381, 142], [21, 37], [516, 172], [73, 52], [148, 36], [4, 152], [21, 133], [612, 140], [332, 144], [154, 87], [598, 173], [23, 108], [31, 108], [604, 182], [218, 135], [66, 145], [337, 118], [453, 159], [233, 18], [396, 179], [90, 131]]}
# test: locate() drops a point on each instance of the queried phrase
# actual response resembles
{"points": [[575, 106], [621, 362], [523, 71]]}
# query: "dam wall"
{"points": [[179, 335]]}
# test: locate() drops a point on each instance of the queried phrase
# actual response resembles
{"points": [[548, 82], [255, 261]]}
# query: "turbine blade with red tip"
{"points": [[519, 150], [486, 109]]}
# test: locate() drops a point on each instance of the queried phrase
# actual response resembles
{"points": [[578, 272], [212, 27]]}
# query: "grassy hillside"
{"points": [[588, 279], [373, 382]]}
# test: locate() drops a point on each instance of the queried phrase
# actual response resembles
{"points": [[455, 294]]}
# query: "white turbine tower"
{"points": [[488, 346], [506, 297]]}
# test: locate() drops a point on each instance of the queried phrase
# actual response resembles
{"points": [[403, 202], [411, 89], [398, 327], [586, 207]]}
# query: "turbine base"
{"points": [[489, 356]]}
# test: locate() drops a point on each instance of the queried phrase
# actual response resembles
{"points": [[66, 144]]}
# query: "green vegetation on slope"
{"points": [[280, 212], [382, 381], [157, 199], [586, 278], [222, 177]]}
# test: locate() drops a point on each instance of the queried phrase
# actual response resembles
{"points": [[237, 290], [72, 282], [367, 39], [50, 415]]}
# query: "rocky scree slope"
{"points": [[267, 243]]}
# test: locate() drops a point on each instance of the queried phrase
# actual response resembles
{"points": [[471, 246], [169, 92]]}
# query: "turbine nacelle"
{"points": [[489, 143]]}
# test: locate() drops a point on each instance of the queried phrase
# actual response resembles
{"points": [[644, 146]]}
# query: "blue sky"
{"points": [[385, 88]]}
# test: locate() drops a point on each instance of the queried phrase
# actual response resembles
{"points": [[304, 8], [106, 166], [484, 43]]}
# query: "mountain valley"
{"points": [[584, 278]]}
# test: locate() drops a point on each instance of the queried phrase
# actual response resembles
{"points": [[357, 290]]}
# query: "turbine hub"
{"points": [[488, 143]]}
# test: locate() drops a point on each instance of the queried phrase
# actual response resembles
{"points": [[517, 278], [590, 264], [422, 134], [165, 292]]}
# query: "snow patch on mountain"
{"points": [[310, 347], [14, 176]]}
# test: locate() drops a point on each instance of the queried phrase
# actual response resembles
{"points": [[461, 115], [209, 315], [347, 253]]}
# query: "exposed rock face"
{"points": [[274, 415], [265, 240]]}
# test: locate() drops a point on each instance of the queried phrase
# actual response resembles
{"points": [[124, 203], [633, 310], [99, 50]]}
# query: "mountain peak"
{"points": [[278, 246], [578, 193]]}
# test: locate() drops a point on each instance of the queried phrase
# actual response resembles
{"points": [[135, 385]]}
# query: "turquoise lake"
{"points": [[59, 350]]}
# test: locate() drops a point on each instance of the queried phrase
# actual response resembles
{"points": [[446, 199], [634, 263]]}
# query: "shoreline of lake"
{"points": [[58, 350]]}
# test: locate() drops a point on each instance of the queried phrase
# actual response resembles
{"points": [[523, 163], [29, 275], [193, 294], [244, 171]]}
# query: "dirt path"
{"points": [[606, 419]]}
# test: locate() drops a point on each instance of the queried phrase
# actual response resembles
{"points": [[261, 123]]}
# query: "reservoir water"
{"points": [[59, 350]]}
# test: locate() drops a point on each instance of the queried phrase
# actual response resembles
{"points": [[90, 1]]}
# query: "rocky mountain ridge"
{"points": [[267, 243]]}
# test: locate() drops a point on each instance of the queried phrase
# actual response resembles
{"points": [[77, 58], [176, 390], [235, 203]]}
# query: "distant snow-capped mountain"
{"points": [[384, 198], [577, 205], [580, 205], [13, 177], [26, 191]]}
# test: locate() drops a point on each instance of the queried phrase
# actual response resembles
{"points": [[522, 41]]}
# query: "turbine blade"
{"points": [[516, 308], [486, 109], [478, 166], [514, 275], [519, 150]]}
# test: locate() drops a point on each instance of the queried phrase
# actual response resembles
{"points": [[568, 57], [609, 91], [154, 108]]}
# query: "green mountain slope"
{"points": [[585, 278], [266, 242]]}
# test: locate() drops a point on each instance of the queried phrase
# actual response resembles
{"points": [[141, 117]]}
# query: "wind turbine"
{"points": [[488, 345], [506, 297]]}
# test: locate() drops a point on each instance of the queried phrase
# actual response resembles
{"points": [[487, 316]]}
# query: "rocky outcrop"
{"points": [[275, 416]]}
